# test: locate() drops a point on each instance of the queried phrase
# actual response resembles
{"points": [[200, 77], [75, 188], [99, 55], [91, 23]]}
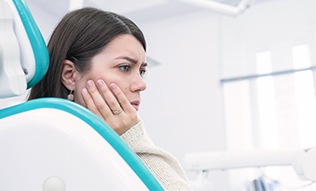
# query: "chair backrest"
{"points": [[52, 143], [24, 57], [53, 137]]}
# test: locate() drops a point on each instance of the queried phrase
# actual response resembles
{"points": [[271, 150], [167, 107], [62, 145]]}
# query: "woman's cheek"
{"points": [[79, 98], [78, 94]]}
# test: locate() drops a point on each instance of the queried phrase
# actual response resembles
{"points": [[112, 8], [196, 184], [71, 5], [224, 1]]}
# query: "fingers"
{"points": [[102, 103], [110, 99], [110, 104], [124, 103], [106, 101], [90, 103]]}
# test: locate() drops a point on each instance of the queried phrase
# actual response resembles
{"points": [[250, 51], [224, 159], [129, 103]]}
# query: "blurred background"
{"points": [[221, 80]]}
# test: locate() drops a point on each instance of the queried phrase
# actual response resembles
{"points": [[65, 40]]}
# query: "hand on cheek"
{"points": [[110, 104]]}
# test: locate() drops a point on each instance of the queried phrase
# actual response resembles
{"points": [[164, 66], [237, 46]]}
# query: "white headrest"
{"points": [[23, 53]]}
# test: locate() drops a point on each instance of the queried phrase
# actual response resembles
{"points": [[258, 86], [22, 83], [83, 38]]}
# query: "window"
{"points": [[305, 97], [266, 102], [273, 109]]}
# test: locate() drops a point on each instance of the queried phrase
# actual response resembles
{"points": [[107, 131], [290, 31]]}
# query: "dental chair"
{"points": [[52, 144]]}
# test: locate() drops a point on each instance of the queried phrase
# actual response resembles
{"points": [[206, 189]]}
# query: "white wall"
{"points": [[269, 25]]}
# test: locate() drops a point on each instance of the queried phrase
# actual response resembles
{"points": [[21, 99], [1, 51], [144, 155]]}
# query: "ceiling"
{"points": [[138, 10]]}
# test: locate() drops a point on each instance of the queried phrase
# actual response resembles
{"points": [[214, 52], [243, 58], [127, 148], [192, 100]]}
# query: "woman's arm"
{"points": [[162, 164]]}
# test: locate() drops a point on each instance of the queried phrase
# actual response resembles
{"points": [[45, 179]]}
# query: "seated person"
{"points": [[98, 59]]}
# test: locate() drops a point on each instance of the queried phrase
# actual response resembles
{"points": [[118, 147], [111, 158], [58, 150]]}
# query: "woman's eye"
{"points": [[124, 68], [143, 72]]}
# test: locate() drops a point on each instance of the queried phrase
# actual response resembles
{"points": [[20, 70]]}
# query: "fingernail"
{"points": [[89, 83], [112, 86], [100, 83]]}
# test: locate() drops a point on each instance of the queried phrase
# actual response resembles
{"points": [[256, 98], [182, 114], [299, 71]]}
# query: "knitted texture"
{"points": [[162, 164]]}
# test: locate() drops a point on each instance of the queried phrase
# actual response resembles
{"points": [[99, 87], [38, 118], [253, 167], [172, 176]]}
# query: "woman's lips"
{"points": [[135, 104]]}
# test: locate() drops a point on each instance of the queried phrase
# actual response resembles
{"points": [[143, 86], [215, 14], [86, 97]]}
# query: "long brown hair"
{"points": [[79, 36]]}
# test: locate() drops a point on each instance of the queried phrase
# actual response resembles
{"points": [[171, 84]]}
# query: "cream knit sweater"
{"points": [[161, 163]]}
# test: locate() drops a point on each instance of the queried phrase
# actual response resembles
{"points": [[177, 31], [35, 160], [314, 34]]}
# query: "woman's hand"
{"points": [[110, 104]]}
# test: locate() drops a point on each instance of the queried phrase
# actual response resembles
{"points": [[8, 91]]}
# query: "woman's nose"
{"points": [[138, 84]]}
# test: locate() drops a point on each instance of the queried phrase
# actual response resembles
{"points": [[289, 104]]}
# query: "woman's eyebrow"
{"points": [[132, 60]]}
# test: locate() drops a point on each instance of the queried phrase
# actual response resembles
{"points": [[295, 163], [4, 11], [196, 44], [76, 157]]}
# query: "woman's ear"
{"points": [[68, 75]]}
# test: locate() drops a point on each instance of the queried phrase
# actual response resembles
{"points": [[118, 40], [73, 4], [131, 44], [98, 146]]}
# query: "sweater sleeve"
{"points": [[162, 164]]}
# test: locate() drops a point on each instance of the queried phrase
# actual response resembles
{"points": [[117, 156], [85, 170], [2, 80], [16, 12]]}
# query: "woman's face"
{"points": [[122, 62]]}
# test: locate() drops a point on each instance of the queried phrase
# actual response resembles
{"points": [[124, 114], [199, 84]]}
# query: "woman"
{"points": [[98, 60]]}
